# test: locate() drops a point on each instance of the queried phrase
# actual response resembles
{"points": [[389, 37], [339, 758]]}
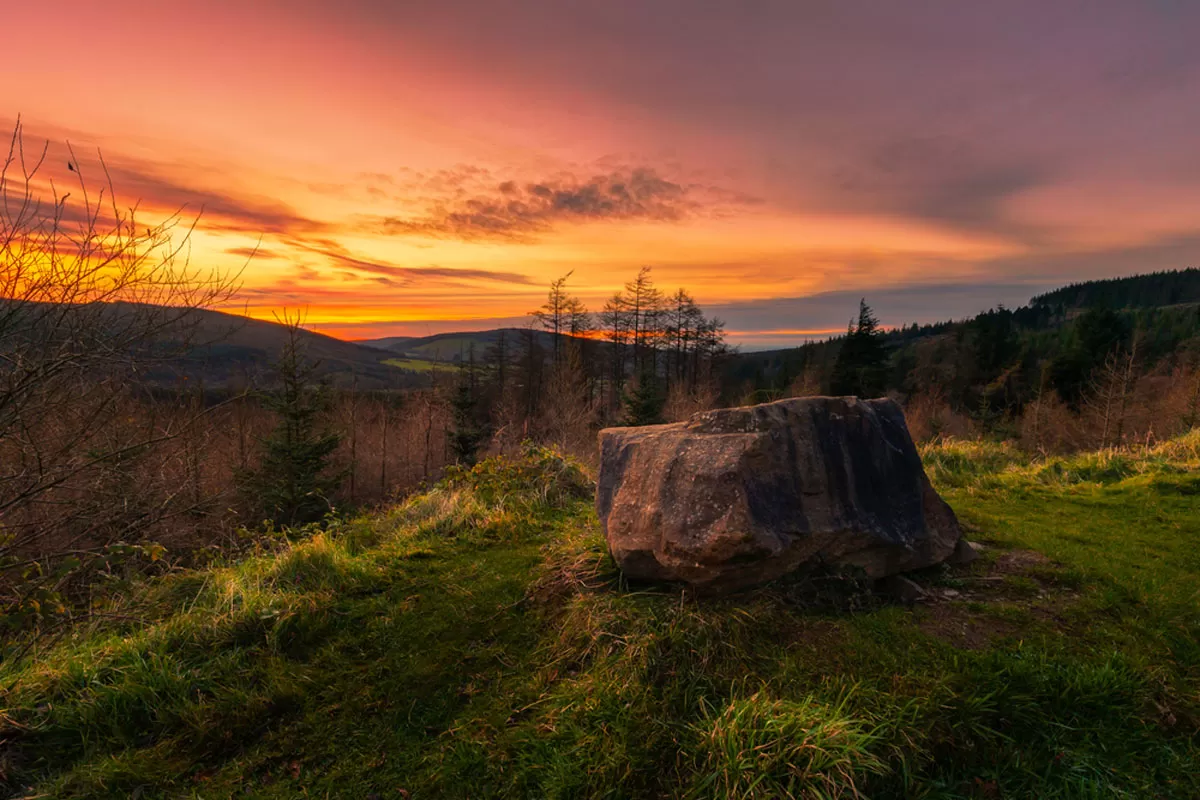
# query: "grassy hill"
{"points": [[446, 350], [232, 349], [422, 366], [442, 352], [453, 347], [214, 348], [477, 642]]}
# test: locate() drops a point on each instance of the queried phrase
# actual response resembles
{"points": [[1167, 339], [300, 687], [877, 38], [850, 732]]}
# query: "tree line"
{"points": [[1056, 376], [644, 358]]}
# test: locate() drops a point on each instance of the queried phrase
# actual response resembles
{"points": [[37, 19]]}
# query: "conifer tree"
{"points": [[861, 366], [644, 400], [469, 430], [295, 477]]}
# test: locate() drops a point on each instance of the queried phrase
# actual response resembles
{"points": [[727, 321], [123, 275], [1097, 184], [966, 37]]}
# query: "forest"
{"points": [[1093, 365]]}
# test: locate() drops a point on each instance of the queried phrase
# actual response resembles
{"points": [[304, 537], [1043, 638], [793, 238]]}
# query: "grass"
{"points": [[420, 365], [478, 642]]}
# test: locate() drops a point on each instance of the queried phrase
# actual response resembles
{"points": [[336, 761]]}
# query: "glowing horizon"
{"points": [[438, 166]]}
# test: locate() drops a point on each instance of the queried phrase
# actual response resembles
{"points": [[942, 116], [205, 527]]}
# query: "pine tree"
{"points": [[861, 366], [295, 477], [644, 400], [469, 431]]}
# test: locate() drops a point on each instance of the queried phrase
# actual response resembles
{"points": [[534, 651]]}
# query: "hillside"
{"points": [[1151, 290], [212, 348], [447, 349], [993, 365], [1052, 309], [235, 350], [453, 347], [477, 642]]}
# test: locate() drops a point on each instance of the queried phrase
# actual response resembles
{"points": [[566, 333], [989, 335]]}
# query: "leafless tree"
{"points": [[569, 416], [92, 300], [1110, 390]]}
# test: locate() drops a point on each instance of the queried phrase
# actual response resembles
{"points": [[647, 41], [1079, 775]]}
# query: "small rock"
{"points": [[902, 589], [964, 553], [951, 593]]}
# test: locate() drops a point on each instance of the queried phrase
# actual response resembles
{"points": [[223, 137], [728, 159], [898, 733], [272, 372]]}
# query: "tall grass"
{"points": [[983, 464], [758, 747]]}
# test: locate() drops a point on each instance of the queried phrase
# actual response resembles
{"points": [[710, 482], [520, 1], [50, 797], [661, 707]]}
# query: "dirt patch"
{"points": [[957, 625], [1018, 580], [1019, 562]]}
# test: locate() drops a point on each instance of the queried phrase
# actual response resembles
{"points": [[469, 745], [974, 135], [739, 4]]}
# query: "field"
{"points": [[420, 365], [477, 642]]}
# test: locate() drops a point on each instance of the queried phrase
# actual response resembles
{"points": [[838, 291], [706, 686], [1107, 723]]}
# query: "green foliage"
{"points": [[47, 598], [1096, 333], [644, 400], [861, 366], [295, 477], [477, 641], [1165, 288], [468, 415], [991, 366], [541, 472]]}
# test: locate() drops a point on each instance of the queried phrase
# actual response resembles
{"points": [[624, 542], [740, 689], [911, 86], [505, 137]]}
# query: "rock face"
{"points": [[739, 496]]}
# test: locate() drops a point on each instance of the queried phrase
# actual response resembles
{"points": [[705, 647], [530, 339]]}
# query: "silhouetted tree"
{"points": [[562, 315], [643, 304], [861, 366], [614, 321]]}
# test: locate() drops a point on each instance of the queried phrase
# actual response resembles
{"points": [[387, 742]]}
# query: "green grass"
{"points": [[478, 642], [420, 365]]}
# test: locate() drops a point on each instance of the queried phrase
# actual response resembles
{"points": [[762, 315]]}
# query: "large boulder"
{"points": [[738, 496]]}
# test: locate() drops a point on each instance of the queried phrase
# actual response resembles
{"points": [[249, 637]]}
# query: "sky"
{"points": [[417, 167]]}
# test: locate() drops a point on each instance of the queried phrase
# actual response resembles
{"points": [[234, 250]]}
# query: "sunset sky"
{"points": [[411, 168]]}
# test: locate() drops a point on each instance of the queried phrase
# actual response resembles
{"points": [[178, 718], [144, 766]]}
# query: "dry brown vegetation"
{"points": [[1120, 409], [101, 467]]}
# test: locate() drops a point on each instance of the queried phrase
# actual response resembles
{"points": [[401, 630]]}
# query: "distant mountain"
{"points": [[453, 347], [232, 349], [221, 350]]}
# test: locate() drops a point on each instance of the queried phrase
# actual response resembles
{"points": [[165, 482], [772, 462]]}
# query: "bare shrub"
{"points": [[91, 298], [930, 416], [1106, 403], [683, 401], [807, 383], [1048, 425], [570, 412], [1173, 401]]}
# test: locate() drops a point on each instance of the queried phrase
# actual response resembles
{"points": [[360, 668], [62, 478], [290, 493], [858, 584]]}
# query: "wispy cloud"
{"points": [[520, 210], [257, 253], [155, 188], [226, 211], [398, 275]]}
